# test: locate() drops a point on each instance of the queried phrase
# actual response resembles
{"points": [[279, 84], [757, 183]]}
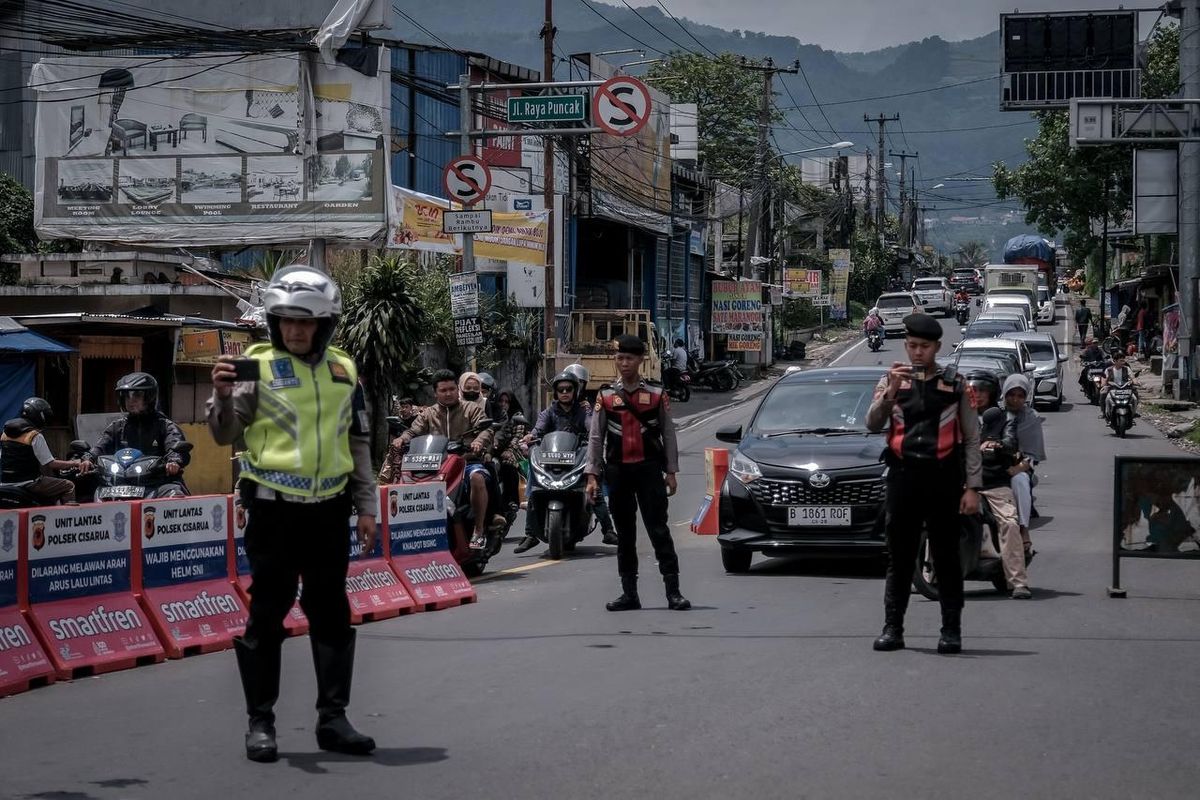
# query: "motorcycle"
{"points": [[978, 563], [556, 491], [875, 340], [1120, 408], [677, 384], [1093, 376], [720, 376], [962, 311], [17, 495], [436, 458], [129, 475]]}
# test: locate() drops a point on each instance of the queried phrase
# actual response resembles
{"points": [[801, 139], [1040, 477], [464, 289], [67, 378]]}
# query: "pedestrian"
{"points": [[1083, 316], [1141, 326], [934, 473], [632, 444], [302, 475]]}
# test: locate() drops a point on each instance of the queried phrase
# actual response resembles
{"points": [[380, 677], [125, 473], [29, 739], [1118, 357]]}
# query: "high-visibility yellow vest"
{"points": [[299, 440]]}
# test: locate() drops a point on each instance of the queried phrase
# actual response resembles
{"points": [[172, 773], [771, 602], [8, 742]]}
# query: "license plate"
{"points": [[422, 462], [819, 516], [557, 458], [123, 491]]}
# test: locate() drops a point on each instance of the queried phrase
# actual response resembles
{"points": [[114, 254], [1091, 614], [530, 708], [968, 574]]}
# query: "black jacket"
{"points": [[154, 434], [998, 426]]}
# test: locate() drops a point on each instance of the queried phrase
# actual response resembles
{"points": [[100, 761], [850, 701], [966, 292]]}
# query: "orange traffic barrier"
{"points": [[707, 520]]}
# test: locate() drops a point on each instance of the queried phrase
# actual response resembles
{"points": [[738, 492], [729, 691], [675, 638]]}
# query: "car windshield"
{"points": [[990, 328], [895, 301], [1002, 367], [1043, 295], [814, 406], [1040, 351], [964, 273], [928, 284]]}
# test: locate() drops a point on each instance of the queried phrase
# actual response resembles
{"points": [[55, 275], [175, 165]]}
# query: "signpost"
{"points": [[548, 108], [464, 295], [468, 331], [467, 180], [467, 221], [621, 106]]}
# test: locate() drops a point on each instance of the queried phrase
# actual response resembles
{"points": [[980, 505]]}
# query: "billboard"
{"points": [[295, 15], [737, 308], [839, 283], [210, 149]]}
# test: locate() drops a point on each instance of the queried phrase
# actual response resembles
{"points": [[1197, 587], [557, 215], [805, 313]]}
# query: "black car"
{"points": [[966, 279], [806, 476]]}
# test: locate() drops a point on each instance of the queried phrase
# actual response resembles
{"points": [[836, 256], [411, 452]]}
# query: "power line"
{"points": [[684, 28]]}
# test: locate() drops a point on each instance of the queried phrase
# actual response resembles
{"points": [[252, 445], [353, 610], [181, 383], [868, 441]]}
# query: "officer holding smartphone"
{"points": [[934, 472], [296, 406]]}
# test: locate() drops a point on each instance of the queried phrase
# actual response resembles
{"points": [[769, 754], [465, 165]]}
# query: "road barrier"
{"points": [[374, 590], [420, 553], [183, 554], [80, 589], [23, 662], [707, 520]]}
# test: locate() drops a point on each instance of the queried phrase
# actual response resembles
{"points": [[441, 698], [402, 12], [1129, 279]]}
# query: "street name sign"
{"points": [[548, 108], [466, 221]]}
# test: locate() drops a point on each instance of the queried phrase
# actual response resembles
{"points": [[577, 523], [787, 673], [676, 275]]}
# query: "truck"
{"points": [[590, 343], [1033, 250], [1019, 279]]}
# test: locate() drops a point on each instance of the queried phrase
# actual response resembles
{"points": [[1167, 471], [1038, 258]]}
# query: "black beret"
{"points": [[628, 343], [923, 326]]}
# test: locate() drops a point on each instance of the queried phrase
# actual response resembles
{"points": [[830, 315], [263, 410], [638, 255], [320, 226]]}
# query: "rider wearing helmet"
{"points": [[144, 428], [568, 413], [581, 375], [983, 388], [305, 468], [25, 456]]}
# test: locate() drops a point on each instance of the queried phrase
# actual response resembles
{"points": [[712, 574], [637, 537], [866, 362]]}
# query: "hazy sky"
{"points": [[854, 25]]}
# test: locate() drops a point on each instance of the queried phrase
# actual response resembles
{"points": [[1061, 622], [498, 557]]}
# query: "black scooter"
{"points": [[556, 491], [1120, 408], [720, 376], [875, 340], [962, 311], [975, 565], [1093, 375]]}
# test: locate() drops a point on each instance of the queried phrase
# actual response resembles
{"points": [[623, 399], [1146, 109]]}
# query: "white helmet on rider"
{"points": [[303, 292], [582, 376]]}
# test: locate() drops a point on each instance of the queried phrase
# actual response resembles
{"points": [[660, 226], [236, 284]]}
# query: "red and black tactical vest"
{"points": [[925, 424], [632, 432]]}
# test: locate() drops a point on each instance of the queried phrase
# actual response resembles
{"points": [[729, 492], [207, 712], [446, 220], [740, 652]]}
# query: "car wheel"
{"points": [[1056, 404], [736, 561]]}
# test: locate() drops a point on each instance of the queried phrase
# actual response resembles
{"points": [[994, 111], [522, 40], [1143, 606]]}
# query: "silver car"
{"points": [[1048, 372]]}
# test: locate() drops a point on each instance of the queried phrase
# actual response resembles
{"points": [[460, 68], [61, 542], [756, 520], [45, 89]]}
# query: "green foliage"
{"points": [[973, 254], [727, 97], [1160, 78], [872, 266], [16, 217]]}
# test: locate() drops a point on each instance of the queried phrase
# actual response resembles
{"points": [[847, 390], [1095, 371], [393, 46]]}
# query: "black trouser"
{"points": [[923, 497], [290, 542], [510, 484], [631, 486], [1082, 326]]}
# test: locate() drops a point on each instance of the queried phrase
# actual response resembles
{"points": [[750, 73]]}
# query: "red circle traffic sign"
{"points": [[621, 106], [467, 180]]}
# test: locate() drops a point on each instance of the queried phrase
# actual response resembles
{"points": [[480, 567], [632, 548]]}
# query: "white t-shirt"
{"points": [[41, 450]]}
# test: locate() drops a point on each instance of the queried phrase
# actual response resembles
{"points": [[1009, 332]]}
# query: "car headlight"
{"points": [[743, 468]]}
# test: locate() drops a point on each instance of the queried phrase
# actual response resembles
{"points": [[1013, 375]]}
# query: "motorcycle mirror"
{"points": [[79, 445], [1062, 359], [184, 447], [963, 331], [730, 433], [455, 448], [1030, 366]]}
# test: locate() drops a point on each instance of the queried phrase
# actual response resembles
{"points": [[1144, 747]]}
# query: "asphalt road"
{"points": [[767, 688]]}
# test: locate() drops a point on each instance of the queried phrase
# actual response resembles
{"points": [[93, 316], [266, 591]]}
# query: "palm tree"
{"points": [[380, 329], [974, 254]]}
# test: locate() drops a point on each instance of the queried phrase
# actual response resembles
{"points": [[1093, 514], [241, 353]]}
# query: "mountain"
{"points": [[946, 93]]}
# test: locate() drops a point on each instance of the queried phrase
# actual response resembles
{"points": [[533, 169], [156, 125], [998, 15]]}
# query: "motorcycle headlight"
{"points": [[743, 468]]}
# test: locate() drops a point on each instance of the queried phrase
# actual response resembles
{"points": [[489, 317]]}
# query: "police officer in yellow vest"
{"points": [[305, 467]]}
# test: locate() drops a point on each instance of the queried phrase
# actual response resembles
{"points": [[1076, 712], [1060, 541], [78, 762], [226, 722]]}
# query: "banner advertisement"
{"points": [[295, 623], [745, 342], [210, 149], [416, 224], [22, 662], [417, 520], [200, 347], [737, 307], [839, 283], [464, 295], [373, 589], [79, 588], [468, 331], [185, 574]]}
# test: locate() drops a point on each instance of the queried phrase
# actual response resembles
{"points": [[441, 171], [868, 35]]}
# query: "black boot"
{"points": [[950, 642], [335, 668], [891, 639], [675, 601], [628, 601], [609, 536], [528, 543], [259, 668]]}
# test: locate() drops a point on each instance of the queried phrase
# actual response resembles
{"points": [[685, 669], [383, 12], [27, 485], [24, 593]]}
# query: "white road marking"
{"points": [[848, 351]]}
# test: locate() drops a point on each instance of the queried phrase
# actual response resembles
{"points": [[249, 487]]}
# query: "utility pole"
{"points": [[1189, 200], [880, 184], [905, 211], [550, 321], [867, 190], [758, 197], [467, 149]]}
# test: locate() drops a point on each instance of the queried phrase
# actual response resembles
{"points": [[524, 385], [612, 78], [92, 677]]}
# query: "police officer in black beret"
{"points": [[934, 472], [632, 445]]}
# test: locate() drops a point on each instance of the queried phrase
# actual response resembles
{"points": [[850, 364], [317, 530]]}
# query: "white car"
{"points": [[1006, 313], [1000, 345], [1045, 312], [893, 307], [996, 301], [936, 295], [1048, 372]]}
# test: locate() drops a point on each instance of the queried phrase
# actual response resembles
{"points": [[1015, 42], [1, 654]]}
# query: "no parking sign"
{"points": [[621, 106]]}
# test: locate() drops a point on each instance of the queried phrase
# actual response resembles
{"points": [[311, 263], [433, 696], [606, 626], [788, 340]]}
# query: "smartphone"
{"points": [[245, 369], [918, 372]]}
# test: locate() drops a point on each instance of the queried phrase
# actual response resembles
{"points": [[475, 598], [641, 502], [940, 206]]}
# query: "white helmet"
{"points": [[301, 292], [581, 374]]}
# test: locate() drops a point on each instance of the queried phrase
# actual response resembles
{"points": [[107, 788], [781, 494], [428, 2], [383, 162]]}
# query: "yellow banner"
{"points": [[201, 346], [515, 236], [417, 225]]}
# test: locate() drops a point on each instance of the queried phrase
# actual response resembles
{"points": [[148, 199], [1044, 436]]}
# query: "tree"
{"points": [[380, 328], [974, 254], [727, 98], [342, 168], [16, 223]]}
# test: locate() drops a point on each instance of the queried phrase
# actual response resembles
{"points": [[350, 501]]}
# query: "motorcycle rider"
{"points": [[143, 427], [303, 472], [1117, 374], [571, 414], [1030, 442], [934, 472], [460, 418], [680, 356], [26, 458], [873, 322], [487, 394], [962, 296], [998, 448]]}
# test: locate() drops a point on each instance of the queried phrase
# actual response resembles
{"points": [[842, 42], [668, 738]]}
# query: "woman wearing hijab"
{"points": [[469, 386], [1030, 442]]}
